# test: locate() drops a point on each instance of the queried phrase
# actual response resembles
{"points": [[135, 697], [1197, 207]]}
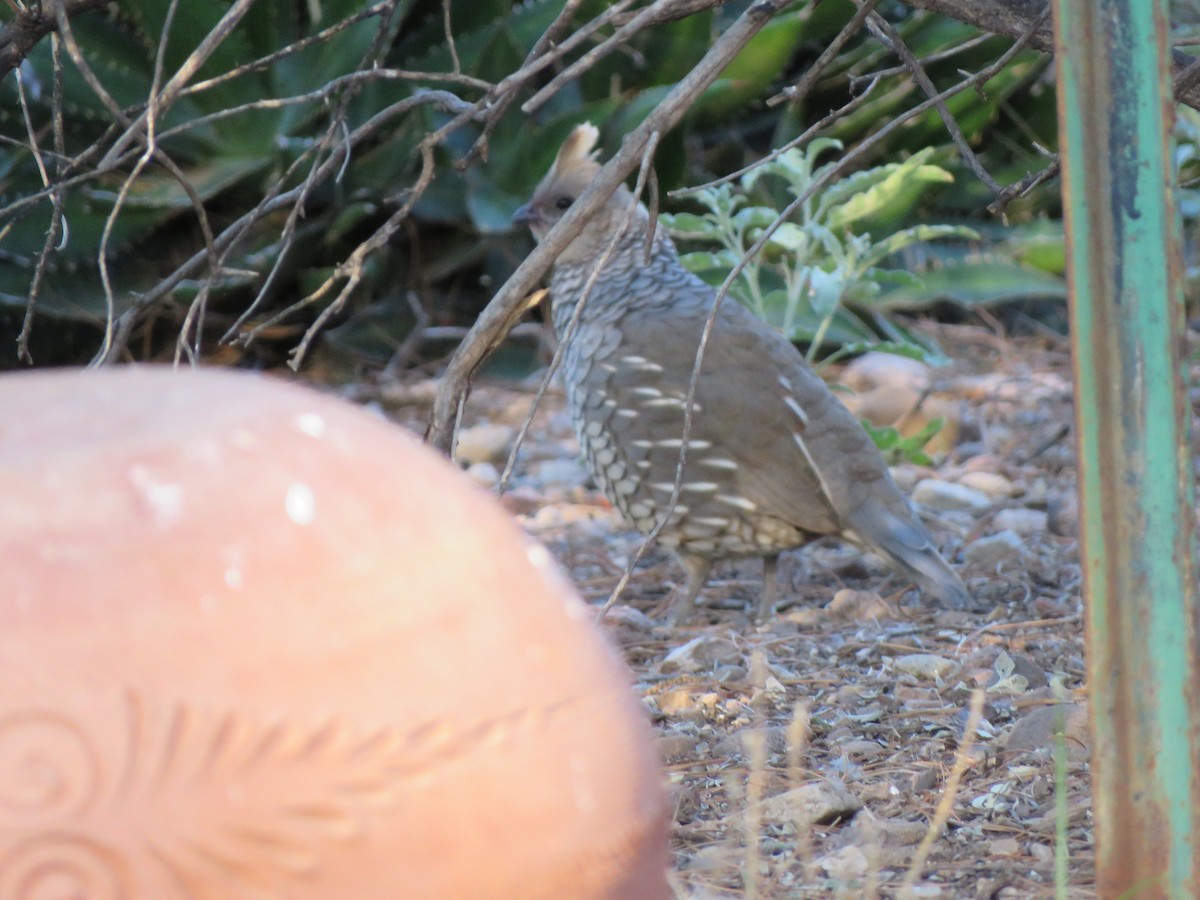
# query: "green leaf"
{"points": [[754, 217], [159, 190], [980, 282], [897, 241], [689, 226], [792, 238], [885, 193], [825, 289], [706, 261]]}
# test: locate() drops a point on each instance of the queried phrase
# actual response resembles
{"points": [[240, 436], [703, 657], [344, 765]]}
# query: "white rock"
{"points": [[701, 653], [811, 804], [876, 368], [945, 495], [562, 472], [845, 865], [484, 473], [486, 442], [994, 549], [929, 666], [1021, 520], [991, 483]]}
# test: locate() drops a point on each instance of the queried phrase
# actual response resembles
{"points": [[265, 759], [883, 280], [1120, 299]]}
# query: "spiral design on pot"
{"points": [[49, 769], [54, 866]]}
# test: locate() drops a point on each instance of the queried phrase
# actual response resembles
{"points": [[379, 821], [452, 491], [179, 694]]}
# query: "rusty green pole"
{"points": [[1127, 320]]}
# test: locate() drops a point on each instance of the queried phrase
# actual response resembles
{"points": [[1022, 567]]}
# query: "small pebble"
{"points": [[860, 749], [701, 653], [846, 865], [678, 702], [1004, 847], [994, 549], [1042, 853], [990, 483], [875, 368], [946, 495], [487, 442], [855, 605], [923, 665], [1063, 514], [676, 744], [484, 473], [559, 472], [1021, 520], [1038, 730], [819, 803]]}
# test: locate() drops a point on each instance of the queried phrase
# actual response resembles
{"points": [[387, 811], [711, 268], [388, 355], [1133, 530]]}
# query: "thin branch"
{"points": [[797, 92], [616, 40], [183, 74], [271, 58], [450, 37], [270, 204], [807, 135], [354, 266], [31, 24], [979, 78], [58, 224], [896, 43], [500, 107], [939, 56]]}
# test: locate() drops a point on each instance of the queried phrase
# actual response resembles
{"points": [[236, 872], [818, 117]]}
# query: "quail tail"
{"points": [[906, 546]]}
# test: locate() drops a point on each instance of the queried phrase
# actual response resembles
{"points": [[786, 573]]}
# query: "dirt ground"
{"points": [[809, 757]]}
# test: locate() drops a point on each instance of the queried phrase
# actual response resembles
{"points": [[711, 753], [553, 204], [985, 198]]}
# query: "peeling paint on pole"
{"points": [[1136, 490]]}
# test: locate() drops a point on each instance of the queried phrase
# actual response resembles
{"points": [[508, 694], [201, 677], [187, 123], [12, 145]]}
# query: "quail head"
{"points": [[774, 459]]}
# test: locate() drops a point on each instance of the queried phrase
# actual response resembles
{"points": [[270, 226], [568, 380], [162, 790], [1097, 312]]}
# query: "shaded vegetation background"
{"points": [[266, 180]]}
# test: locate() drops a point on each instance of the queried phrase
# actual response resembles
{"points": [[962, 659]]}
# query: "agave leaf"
{"points": [[159, 190], [424, 48], [754, 69], [974, 282], [74, 294]]}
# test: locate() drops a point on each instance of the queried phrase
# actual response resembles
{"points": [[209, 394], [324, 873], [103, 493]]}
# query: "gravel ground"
{"points": [[833, 751]]}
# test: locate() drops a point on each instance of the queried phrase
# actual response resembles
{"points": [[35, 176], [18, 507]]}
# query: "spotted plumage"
{"points": [[774, 458]]}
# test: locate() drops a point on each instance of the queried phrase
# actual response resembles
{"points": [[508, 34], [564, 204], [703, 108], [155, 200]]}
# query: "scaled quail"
{"points": [[774, 458]]}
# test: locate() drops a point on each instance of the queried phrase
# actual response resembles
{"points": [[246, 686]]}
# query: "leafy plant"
{"points": [[818, 277], [896, 448]]}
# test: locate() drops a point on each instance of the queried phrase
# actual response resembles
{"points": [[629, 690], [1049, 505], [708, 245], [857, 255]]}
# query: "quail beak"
{"points": [[526, 215]]}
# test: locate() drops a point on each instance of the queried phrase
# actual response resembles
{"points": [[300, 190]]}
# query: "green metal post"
{"points": [[1127, 319]]}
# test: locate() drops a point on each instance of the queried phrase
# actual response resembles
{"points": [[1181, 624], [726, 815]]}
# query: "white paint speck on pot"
{"points": [[310, 423], [300, 504], [163, 499]]}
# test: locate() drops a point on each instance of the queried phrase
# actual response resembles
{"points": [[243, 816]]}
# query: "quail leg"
{"points": [[682, 604], [766, 606]]}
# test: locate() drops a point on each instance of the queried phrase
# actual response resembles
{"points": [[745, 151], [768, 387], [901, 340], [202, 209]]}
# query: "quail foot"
{"points": [[774, 459]]}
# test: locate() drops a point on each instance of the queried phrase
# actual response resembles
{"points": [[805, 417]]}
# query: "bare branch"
{"points": [[896, 43], [797, 92], [31, 25]]}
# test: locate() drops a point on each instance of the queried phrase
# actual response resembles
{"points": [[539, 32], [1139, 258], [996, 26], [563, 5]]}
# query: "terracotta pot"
{"points": [[259, 643]]}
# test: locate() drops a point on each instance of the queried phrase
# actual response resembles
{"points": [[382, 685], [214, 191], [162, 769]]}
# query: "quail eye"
{"points": [[564, 202]]}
